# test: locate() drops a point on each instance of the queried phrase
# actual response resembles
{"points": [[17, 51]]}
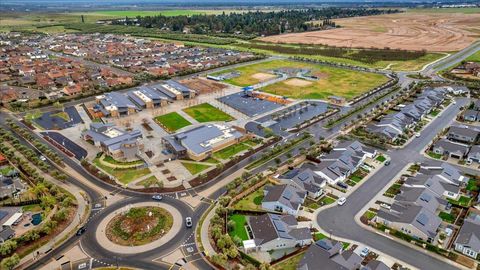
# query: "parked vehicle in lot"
{"points": [[341, 201], [157, 197], [188, 222], [386, 206], [364, 252]]}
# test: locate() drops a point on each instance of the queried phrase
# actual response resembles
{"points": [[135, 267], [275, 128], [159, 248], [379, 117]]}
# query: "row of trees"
{"points": [[257, 23]]}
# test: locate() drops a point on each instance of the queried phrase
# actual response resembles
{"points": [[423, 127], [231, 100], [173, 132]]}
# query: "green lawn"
{"points": [[474, 57], [434, 155], [327, 200], [125, 176], [290, 263], [251, 202], [211, 160], [149, 182], [172, 122], [319, 236], [5, 170], [393, 190], [31, 208], [462, 201], [239, 230], [207, 113], [230, 151], [112, 161], [446, 217], [251, 142], [195, 168], [381, 158], [369, 215], [333, 81], [472, 185]]}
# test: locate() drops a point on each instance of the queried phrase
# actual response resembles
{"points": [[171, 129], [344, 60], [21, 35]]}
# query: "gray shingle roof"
{"points": [[469, 234], [268, 227]]}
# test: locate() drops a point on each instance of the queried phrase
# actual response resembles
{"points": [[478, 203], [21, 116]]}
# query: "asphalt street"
{"points": [[339, 220]]}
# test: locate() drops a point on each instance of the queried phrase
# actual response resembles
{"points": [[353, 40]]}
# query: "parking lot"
{"points": [[52, 120], [63, 141]]}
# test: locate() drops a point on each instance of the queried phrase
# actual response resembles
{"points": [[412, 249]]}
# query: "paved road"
{"points": [[340, 220]]}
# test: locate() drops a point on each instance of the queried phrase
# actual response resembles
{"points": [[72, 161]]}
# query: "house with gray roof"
{"points": [[474, 154], [114, 141], [435, 184], [6, 233], [450, 148], [283, 198], [445, 171], [115, 104], [329, 254], [476, 105], [471, 115], [200, 142], [468, 238], [305, 179], [375, 265], [272, 232], [464, 134]]}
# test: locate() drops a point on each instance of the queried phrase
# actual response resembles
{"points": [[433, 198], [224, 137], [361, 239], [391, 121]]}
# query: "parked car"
{"points": [[386, 206], [364, 252], [387, 162], [342, 185], [341, 201], [42, 158], [81, 231], [417, 134], [157, 197], [188, 222]]}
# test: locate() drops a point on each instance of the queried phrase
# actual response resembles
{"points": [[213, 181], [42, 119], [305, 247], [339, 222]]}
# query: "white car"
{"points": [[42, 158], [341, 201], [364, 252], [417, 134]]}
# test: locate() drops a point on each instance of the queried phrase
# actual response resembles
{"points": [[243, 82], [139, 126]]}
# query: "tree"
{"points": [[8, 247], [10, 262], [219, 259], [231, 225]]}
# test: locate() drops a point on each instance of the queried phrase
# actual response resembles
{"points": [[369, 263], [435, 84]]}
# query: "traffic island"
{"points": [[139, 226]]}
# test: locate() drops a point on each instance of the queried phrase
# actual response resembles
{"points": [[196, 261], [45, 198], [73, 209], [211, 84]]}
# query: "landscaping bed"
{"points": [[139, 226]]}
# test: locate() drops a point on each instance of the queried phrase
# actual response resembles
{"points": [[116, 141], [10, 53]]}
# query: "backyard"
{"points": [[252, 201], [207, 113], [172, 122], [239, 228], [290, 263]]}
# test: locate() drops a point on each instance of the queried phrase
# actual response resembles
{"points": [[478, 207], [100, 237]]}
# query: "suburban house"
{"points": [[200, 142], [115, 142], [474, 154], [10, 185], [304, 178], [343, 160], [464, 134], [375, 265], [272, 232], [6, 233], [445, 171], [329, 254], [434, 184], [450, 148], [391, 126], [471, 115], [283, 198], [115, 105], [468, 238]]}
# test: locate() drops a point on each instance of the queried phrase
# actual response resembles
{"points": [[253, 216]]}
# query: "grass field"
{"points": [[333, 81], [251, 202], [207, 113], [239, 230], [195, 168], [125, 176], [474, 57], [230, 151], [172, 121]]}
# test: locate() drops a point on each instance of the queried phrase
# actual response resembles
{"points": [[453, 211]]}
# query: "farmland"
{"points": [[434, 32], [332, 81]]}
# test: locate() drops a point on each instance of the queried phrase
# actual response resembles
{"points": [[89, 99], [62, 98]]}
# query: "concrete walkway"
{"points": [[204, 239], [106, 243]]}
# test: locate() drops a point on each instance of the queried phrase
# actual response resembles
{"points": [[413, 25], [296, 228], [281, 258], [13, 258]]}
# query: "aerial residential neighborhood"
{"points": [[269, 135]]}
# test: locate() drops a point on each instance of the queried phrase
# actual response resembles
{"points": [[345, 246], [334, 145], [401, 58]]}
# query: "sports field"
{"points": [[172, 121], [207, 113], [332, 81]]}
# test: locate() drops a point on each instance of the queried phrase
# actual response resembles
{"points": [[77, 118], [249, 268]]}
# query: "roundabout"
{"points": [[139, 227]]}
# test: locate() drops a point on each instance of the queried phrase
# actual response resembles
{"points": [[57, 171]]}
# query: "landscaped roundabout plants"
{"points": [[139, 226]]}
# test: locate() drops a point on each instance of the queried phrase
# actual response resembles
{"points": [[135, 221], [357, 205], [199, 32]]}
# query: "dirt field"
{"points": [[262, 77], [441, 32], [203, 85], [297, 82]]}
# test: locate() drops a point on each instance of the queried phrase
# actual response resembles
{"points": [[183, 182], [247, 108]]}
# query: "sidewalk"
{"points": [[204, 239]]}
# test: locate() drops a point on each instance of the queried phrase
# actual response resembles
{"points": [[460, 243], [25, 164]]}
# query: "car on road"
{"points": [[81, 231], [157, 197], [364, 252], [341, 201], [387, 162], [417, 134], [188, 222]]}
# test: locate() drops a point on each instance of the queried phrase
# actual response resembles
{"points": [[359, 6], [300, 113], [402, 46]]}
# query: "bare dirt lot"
{"points": [[297, 82], [263, 76], [411, 31], [203, 85]]}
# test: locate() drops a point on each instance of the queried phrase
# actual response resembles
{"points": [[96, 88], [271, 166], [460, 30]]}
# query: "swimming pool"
{"points": [[36, 218]]}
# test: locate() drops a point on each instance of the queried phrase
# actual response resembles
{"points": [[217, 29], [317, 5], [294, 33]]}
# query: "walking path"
{"points": [[204, 239]]}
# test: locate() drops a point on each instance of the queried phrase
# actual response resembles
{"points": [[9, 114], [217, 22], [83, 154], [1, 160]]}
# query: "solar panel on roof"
{"points": [[422, 219], [425, 197], [3, 214], [287, 194], [324, 245]]}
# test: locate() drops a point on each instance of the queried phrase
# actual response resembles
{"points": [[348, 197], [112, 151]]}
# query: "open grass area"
{"points": [[290, 263], [32, 208], [474, 57], [230, 151], [381, 158], [195, 168], [392, 190], [251, 202], [172, 122], [466, 10], [326, 200], [149, 182], [332, 81], [239, 229], [125, 176], [112, 161], [472, 185], [434, 155], [207, 113], [462, 201], [446, 217]]}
